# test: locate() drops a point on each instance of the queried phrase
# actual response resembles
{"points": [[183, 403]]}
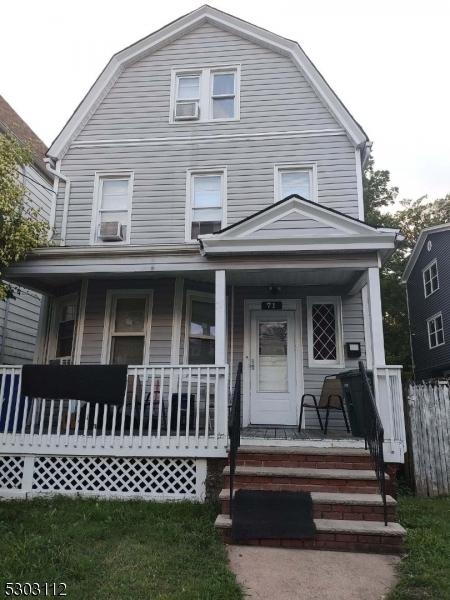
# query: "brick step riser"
{"points": [[332, 541], [337, 511], [350, 486], [304, 462]]}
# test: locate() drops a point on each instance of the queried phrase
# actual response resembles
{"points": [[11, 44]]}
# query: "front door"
{"points": [[272, 368]]}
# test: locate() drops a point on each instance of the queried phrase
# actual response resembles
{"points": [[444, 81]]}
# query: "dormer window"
{"points": [[208, 94]]}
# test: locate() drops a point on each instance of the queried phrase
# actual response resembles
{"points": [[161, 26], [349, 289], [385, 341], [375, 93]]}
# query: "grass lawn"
{"points": [[425, 571], [112, 550]]}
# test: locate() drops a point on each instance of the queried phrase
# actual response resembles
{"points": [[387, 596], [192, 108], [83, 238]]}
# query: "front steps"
{"points": [[347, 508]]}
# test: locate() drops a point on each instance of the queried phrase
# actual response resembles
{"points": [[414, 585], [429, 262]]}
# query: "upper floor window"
{"points": [[325, 346], [430, 279], [206, 203], [209, 94], [112, 205], [300, 180], [435, 327]]}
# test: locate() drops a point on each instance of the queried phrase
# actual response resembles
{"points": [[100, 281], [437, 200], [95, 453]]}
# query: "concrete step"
{"points": [[354, 481], [335, 534], [353, 507], [326, 458]]}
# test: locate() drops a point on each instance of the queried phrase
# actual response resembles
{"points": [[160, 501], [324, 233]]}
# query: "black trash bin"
{"points": [[353, 395]]}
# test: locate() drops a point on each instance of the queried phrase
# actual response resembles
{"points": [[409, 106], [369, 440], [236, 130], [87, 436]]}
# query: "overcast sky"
{"points": [[388, 60]]}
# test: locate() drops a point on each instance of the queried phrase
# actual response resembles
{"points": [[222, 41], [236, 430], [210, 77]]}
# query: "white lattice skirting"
{"points": [[120, 477]]}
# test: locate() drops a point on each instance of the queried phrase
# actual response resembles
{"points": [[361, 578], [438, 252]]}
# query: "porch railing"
{"points": [[235, 430], [388, 390], [167, 411], [373, 434]]}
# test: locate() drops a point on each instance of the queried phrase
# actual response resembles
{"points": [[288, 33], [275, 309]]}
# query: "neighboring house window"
{"points": [[300, 180], [113, 194], [209, 94], [200, 329], [206, 203], [435, 331], [65, 314], [430, 279], [325, 347], [127, 316]]}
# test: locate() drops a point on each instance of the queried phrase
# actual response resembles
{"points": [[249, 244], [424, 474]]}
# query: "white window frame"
{"points": [[205, 101], [337, 302], [110, 313], [190, 173], [192, 295], [429, 320], [425, 270], [100, 176], [282, 168], [57, 304]]}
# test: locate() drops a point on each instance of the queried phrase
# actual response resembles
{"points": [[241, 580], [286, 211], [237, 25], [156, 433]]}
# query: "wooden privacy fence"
{"points": [[429, 418]]}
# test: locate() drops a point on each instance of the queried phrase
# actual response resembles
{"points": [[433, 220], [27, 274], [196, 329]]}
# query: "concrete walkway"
{"points": [[284, 574]]}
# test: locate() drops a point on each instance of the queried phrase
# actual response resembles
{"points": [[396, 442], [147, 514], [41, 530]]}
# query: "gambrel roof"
{"points": [[298, 225], [174, 30]]}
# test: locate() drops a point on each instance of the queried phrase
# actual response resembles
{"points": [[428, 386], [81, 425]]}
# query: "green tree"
{"points": [[411, 216], [21, 228]]}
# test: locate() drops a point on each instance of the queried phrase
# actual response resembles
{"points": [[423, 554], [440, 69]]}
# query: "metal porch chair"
{"points": [[331, 398]]}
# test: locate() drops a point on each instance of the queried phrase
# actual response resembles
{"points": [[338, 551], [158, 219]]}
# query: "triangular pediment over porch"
{"points": [[296, 224]]}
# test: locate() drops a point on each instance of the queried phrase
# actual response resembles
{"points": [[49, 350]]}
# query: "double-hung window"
{"points": [[205, 94], [128, 326], [325, 346], [200, 329], [435, 327], [430, 279], [206, 203], [300, 180], [111, 223]]}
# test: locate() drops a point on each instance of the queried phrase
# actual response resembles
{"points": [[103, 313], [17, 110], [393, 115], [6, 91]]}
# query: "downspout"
{"points": [[56, 172]]}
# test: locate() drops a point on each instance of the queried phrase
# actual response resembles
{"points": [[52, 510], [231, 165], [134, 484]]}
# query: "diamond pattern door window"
{"points": [[324, 332]]}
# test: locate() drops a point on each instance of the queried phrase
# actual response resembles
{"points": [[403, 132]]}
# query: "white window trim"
{"points": [[337, 301], [189, 189], [111, 299], [190, 296], [433, 318], [205, 101], [280, 168], [57, 303], [424, 271], [95, 221]]}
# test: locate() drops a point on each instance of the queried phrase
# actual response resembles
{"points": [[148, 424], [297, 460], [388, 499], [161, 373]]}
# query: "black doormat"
{"points": [[264, 514]]}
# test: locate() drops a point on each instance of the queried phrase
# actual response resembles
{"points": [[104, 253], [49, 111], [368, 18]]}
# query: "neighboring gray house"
{"points": [[19, 317], [427, 280], [209, 212]]}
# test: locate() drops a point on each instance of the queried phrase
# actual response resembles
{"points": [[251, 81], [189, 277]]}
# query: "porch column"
{"points": [[221, 307], [376, 316]]}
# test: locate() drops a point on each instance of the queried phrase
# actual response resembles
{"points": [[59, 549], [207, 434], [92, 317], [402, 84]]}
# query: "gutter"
{"points": [[56, 172]]}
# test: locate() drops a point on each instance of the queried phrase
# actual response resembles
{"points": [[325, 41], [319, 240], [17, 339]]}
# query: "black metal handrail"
{"points": [[234, 430], [373, 434]]}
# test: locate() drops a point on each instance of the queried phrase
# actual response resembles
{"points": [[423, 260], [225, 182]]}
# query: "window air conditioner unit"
{"points": [[187, 111], [111, 231]]}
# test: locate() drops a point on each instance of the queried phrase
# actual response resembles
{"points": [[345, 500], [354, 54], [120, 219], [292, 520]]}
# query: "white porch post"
{"points": [[376, 316], [221, 303]]}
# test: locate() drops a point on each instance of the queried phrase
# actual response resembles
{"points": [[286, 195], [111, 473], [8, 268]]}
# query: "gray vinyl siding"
{"points": [[275, 97], [162, 313], [430, 362], [19, 317]]}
